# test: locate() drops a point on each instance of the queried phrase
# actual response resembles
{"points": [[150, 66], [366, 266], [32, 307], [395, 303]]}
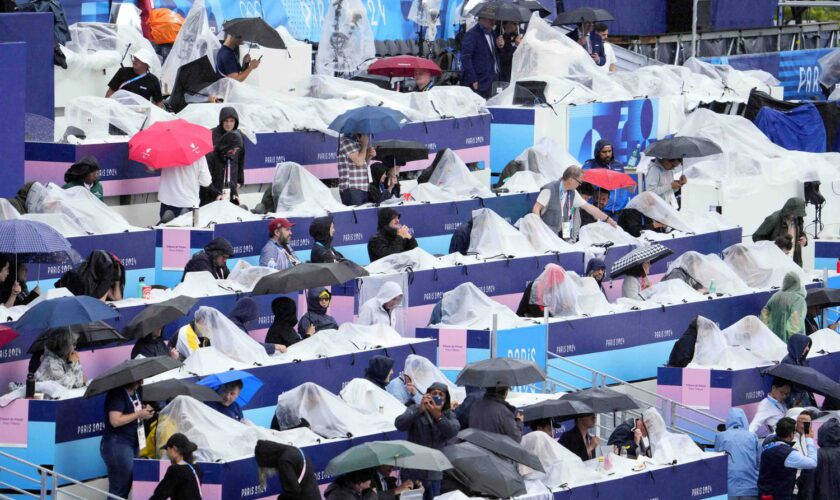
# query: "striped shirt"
{"points": [[350, 175]]}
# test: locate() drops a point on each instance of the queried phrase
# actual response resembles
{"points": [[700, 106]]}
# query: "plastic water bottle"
{"points": [[600, 467], [634, 158], [140, 284], [30, 385], [712, 288], [624, 451]]}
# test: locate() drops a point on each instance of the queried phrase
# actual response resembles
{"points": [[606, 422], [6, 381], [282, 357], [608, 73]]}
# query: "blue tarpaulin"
{"points": [[800, 129]]}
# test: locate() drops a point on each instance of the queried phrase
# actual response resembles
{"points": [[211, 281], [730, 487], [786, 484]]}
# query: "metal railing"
{"points": [[45, 482]]}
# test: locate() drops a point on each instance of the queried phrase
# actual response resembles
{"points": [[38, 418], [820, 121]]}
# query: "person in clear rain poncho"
{"points": [[60, 361], [382, 309], [786, 309]]}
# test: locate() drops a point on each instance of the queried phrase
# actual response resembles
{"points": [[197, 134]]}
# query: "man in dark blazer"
{"points": [[479, 58], [589, 40]]}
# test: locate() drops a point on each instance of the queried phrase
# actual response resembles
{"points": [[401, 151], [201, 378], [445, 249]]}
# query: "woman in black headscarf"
{"points": [[282, 332]]}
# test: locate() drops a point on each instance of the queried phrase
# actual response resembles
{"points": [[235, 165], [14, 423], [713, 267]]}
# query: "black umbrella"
{"points": [[157, 316], [502, 445], [401, 151], [581, 14], [682, 147], [531, 5], [90, 335], [484, 472], [130, 371], [823, 297], [254, 29], [500, 372], [603, 399], [191, 79], [555, 408], [805, 376], [650, 253], [308, 275], [502, 11], [168, 389]]}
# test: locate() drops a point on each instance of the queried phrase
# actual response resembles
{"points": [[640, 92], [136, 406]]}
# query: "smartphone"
{"points": [[437, 400], [806, 428]]}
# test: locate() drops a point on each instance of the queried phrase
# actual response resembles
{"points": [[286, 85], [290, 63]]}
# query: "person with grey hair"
{"points": [[60, 362], [559, 205]]}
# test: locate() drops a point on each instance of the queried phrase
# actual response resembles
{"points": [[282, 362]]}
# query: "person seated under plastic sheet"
{"points": [[683, 351], [561, 293], [461, 238], [634, 222], [762, 264], [316, 317], [631, 436], [579, 441], [636, 281], [101, 276], [245, 311], [597, 197], [189, 337], [385, 184], [391, 237], [382, 309], [668, 447], [84, 173], [466, 306], [228, 406], [678, 273], [60, 361]]}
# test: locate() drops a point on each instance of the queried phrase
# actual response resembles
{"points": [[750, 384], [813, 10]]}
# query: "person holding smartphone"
{"points": [[432, 424], [780, 462]]}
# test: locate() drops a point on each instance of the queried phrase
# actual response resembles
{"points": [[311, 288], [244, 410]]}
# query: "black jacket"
{"points": [[623, 435], [461, 238], [322, 249], [573, 441], [493, 414], [149, 347], [526, 309], [95, 276], [386, 241], [683, 351], [179, 483], [289, 462], [218, 161], [282, 331], [378, 192], [203, 261], [423, 430], [243, 312], [826, 483], [315, 314], [379, 367]]}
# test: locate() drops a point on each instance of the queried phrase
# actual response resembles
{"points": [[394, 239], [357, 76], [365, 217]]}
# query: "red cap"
{"points": [[274, 224]]}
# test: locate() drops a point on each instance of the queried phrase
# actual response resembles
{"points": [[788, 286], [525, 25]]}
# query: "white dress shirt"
{"points": [[179, 185]]}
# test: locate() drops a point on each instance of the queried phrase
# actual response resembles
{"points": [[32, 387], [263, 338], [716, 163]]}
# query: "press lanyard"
{"points": [[197, 481], [133, 80], [141, 431]]}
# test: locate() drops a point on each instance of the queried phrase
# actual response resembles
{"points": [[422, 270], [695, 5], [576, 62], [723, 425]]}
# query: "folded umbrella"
{"points": [[65, 311], [603, 399], [682, 147], [130, 371], [484, 472], [650, 253], [500, 372], [502, 445], [169, 389], [555, 408], [308, 275], [401, 151], [33, 241], [368, 120], [805, 376], [173, 143], [250, 384], [191, 79], [90, 335], [582, 14], [498, 10], [256, 30], [402, 66], [823, 297], [605, 178], [157, 316]]}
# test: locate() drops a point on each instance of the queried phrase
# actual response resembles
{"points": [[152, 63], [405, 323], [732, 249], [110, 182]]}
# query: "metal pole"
{"points": [[493, 333], [824, 321], [694, 29]]}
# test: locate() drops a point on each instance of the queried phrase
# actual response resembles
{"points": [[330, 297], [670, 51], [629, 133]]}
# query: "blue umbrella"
{"points": [[65, 311], [33, 241], [368, 120], [250, 384]]}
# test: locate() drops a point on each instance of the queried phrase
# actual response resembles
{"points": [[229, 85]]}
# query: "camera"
{"points": [[437, 400]]}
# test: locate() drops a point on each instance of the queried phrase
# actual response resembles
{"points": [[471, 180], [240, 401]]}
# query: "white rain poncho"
{"points": [[429, 193], [671, 292], [7, 211], [298, 193], [751, 333], [601, 233], [824, 341], [372, 311], [668, 447], [209, 360], [371, 336], [654, 207], [492, 236], [424, 373], [328, 415], [97, 115], [217, 212], [525, 181], [452, 174], [565, 294], [194, 40], [247, 275], [228, 338], [426, 13], [708, 268], [365, 396], [219, 437], [415, 259], [326, 343], [762, 264], [547, 158], [562, 467], [541, 237], [465, 306], [80, 205], [712, 351], [346, 44]]}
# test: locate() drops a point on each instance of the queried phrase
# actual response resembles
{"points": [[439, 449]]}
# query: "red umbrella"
{"points": [[7, 335], [605, 178], [402, 66], [172, 143]]}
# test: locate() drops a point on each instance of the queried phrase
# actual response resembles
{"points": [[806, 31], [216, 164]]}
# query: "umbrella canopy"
{"points": [[169, 389], [254, 29], [65, 311], [191, 79], [164, 26], [90, 335], [502, 11], [368, 120], [250, 384], [805, 376], [308, 275], [157, 316], [555, 408], [173, 143], [682, 147], [605, 178], [402, 66], [397, 453], [401, 151], [603, 399], [485, 472], [502, 445], [582, 14], [7, 335], [130, 371], [650, 253], [823, 297], [33, 241], [500, 372]]}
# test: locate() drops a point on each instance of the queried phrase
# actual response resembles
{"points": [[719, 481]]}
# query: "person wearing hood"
{"points": [[316, 317], [379, 371], [229, 122], [780, 462], [385, 184], [322, 231], [189, 338], [282, 331], [60, 362], [294, 469], [683, 351], [604, 157], [245, 311], [391, 237], [277, 253], [744, 451], [785, 312], [787, 221], [84, 173], [225, 166], [430, 423], [798, 347], [660, 179], [101, 276], [381, 310], [493, 414], [137, 78], [597, 270], [463, 410], [827, 474], [461, 238], [404, 390], [212, 259], [631, 434]]}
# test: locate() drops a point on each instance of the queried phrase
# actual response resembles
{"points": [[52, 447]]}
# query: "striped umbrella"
{"points": [[33, 241], [650, 253]]}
